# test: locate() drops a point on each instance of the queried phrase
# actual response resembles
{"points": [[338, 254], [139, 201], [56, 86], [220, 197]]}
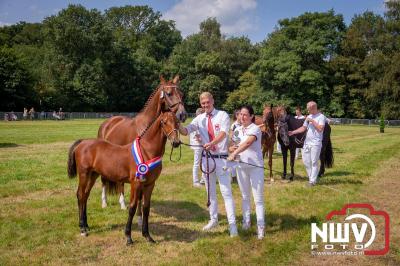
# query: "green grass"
{"points": [[39, 220]]}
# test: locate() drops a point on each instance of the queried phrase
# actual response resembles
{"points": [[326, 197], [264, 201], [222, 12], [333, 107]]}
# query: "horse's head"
{"points": [[172, 97], [170, 127], [283, 129], [268, 116]]}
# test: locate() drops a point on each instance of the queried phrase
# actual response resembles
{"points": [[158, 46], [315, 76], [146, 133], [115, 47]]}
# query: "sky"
{"points": [[252, 18]]}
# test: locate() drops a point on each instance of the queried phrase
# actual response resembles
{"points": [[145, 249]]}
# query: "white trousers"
{"points": [[252, 178], [225, 187], [196, 164], [310, 155]]}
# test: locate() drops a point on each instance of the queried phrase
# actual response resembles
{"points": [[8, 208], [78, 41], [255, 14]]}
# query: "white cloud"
{"points": [[235, 16], [4, 24]]}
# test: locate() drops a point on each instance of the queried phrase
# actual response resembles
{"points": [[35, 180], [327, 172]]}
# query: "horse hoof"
{"points": [[149, 239], [129, 242], [272, 180], [123, 207], [104, 205]]}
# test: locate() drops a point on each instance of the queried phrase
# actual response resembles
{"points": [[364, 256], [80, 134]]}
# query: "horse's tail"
{"points": [[111, 187], [329, 154], [71, 159]]}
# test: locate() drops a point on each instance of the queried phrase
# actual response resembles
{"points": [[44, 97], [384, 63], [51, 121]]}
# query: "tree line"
{"points": [[87, 60]]}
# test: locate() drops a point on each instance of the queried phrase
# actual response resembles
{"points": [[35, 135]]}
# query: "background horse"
{"points": [[268, 135], [122, 130], [289, 123], [92, 157]]}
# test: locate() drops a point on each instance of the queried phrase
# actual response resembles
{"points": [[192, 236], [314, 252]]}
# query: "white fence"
{"points": [[99, 115]]}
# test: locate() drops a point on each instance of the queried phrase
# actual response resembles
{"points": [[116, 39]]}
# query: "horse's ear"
{"points": [[162, 79], [176, 79]]}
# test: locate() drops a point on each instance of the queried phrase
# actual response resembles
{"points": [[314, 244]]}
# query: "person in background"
{"points": [[195, 139], [213, 126], [31, 113], [314, 124], [250, 177], [233, 138], [298, 115], [25, 114]]}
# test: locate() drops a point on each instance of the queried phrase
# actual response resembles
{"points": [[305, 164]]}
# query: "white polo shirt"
{"points": [[314, 137], [221, 123], [253, 153]]}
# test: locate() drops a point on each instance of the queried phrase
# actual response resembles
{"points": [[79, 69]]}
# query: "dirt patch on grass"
{"points": [[382, 191]]}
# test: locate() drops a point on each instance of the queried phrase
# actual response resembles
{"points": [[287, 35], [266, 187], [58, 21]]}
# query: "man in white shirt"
{"points": [[314, 124], [213, 127]]}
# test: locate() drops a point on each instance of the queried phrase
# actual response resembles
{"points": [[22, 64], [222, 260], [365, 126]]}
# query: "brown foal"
{"points": [[93, 157]]}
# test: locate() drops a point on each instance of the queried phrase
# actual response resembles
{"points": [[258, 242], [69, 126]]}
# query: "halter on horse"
{"points": [[93, 157]]}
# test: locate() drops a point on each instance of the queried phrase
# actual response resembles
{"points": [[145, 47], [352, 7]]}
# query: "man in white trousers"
{"points": [[314, 124], [213, 127]]}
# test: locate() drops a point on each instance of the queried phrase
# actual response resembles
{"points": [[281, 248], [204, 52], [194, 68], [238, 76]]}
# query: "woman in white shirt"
{"points": [[250, 177]]}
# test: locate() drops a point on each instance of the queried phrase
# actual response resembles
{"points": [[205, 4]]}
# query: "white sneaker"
{"points": [[211, 224], [246, 226], [260, 232], [196, 184], [233, 230]]}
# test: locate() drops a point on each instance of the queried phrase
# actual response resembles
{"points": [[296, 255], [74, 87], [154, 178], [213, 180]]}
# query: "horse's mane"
{"points": [[149, 99]]}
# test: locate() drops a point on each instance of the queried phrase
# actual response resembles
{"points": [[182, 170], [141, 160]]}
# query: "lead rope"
{"points": [[207, 154]]}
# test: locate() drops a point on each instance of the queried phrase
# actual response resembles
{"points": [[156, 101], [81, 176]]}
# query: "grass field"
{"points": [[39, 219]]}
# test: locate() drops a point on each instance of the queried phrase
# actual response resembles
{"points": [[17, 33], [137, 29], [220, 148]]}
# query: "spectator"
{"points": [[32, 113], [56, 116], [25, 114]]}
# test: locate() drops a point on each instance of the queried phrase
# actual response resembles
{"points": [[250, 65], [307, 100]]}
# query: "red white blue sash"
{"points": [[142, 167]]}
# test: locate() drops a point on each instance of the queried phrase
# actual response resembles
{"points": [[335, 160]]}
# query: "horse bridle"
{"points": [[169, 134], [167, 97]]}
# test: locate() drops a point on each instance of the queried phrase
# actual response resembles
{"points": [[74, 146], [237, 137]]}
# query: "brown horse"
{"points": [[123, 130], [267, 125], [93, 157]]}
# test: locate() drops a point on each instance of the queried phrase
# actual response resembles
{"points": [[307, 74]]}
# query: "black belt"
{"points": [[218, 156]]}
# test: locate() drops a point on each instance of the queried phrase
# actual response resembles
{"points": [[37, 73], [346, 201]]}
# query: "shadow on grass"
{"points": [[338, 173], [181, 210], [283, 222], [9, 145], [340, 181]]}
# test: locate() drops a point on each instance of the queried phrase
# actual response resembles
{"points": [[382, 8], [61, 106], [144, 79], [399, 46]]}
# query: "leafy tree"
{"points": [[15, 83]]}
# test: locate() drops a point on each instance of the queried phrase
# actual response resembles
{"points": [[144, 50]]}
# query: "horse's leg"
{"points": [[88, 188], [292, 158], [270, 151], [140, 207], [147, 191], [82, 195], [284, 158], [121, 195], [103, 194], [132, 209]]}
